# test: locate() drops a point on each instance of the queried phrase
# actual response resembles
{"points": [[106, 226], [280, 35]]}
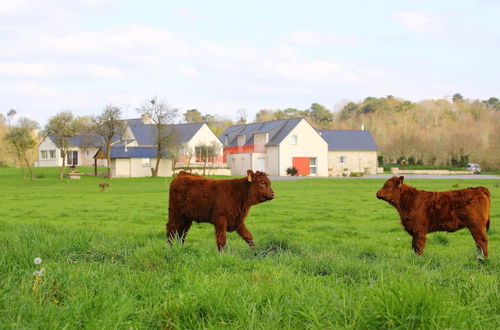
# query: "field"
{"points": [[329, 255]]}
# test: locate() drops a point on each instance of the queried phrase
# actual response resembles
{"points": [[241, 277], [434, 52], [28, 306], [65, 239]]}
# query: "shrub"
{"points": [[292, 171]]}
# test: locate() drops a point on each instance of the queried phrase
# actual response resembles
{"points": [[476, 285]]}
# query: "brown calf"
{"points": [[423, 212], [103, 186], [223, 203]]}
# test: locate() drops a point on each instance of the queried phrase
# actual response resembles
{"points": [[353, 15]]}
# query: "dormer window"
{"points": [[260, 138], [241, 140]]}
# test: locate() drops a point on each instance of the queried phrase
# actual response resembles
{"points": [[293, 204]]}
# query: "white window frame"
{"points": [[52, 154], [342, 159], [43, 154], [146, 162], [313, 168], [295, 140]]}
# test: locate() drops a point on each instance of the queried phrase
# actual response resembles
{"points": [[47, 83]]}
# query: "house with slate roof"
{"points": [[350, 151], [274, 146], [81, 152], [192, 146]]}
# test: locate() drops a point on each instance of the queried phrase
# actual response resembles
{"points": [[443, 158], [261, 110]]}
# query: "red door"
{"points": [[301, 164]]}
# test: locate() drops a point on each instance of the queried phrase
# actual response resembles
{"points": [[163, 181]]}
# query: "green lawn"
{"points": [[329, 255]]}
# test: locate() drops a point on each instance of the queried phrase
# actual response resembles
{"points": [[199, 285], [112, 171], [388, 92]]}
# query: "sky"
{"points": [[223, 56]]}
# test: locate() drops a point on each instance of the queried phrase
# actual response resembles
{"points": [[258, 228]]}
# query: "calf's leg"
{"points": [[176, 227], [246, 235], [418, 243], [220, 233], [479, 235]]}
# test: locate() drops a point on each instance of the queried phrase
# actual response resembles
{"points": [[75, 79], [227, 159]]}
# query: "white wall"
{"points": [[239, 163], [355, 161], [47, 145], [85, 155], [309, 144], [134, 168], [205, 136]]}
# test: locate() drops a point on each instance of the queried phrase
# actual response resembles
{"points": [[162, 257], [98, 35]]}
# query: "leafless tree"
{"points": [[161, 114]]}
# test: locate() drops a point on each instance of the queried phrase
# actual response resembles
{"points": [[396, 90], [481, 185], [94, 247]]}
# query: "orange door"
{"points": [[301, 164]]}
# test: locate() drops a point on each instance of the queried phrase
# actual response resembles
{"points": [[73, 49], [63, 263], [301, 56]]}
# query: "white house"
{"points": [[274, 146], [188, 146], [350, 151], [80, 153]]}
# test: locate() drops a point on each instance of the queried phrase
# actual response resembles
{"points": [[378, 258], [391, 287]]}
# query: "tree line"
{"points": [[429, 132]]}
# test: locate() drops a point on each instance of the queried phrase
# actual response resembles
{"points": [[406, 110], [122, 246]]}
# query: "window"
{"points": [[43, 154], [87, 152], [294, 139], [204, 153], [343, 159], [312, 166], [260, 138], [181, 151], [241, 140], [52, 154], [146, 161]]}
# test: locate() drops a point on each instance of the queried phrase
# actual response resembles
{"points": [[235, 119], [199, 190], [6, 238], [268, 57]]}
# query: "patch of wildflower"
{"points": [[38, 274]]}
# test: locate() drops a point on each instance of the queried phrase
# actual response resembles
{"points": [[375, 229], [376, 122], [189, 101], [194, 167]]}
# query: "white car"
{"points": [[474, 168]]}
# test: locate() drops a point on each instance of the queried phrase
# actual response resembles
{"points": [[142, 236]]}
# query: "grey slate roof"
{"points": [[277, 130], [145, 134], [134, 152], [83, 141], [348, 140]]}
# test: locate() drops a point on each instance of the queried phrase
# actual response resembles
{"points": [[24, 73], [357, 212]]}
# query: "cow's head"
{"points": [[391, 191], [260, 186]]}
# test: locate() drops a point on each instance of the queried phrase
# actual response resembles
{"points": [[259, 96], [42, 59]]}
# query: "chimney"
{"points": [[126, 150], [146, 119], [362, 127]]}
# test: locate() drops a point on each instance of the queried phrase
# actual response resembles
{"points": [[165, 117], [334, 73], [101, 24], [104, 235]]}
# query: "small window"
{"points": [[343, 159], [43, 154], [87, 152], [294, 139], [146, 161], [52, 154]]}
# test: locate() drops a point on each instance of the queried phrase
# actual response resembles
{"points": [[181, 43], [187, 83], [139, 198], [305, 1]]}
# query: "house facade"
{"points": [[80, 153], [275, 146], [188, 146], [350, 151]]}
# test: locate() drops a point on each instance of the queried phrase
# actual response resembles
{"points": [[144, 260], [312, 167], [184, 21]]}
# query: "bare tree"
{"points": [[110, 127], [161, 114], [63, 126], [22, 140]]}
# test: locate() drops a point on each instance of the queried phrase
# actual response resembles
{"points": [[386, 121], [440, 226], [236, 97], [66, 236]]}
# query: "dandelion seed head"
{"points": [[37, 261]]}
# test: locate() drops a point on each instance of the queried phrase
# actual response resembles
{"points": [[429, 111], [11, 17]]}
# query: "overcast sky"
{"points": [[221, 56]]}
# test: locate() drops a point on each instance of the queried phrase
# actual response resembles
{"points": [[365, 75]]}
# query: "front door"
{"points": [[72, 158], [301, 164]]}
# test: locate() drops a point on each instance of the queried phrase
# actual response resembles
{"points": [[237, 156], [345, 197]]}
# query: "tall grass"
{"points": [[329, 254]]}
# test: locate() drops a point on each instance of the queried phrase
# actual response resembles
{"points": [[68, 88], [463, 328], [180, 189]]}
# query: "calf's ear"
{"points": [[400, 180], [250, 175]]}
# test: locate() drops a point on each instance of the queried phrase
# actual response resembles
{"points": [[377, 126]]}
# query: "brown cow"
{"points": [[223, 203], [423, 212]]}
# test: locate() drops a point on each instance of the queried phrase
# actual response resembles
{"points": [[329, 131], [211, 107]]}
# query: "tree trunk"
{"points": [[63, 155], [108, 159], [157, 166], [23, 172], [29, 168]]}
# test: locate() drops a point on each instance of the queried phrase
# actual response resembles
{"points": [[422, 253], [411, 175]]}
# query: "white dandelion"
{"points": [[37, 261]]}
